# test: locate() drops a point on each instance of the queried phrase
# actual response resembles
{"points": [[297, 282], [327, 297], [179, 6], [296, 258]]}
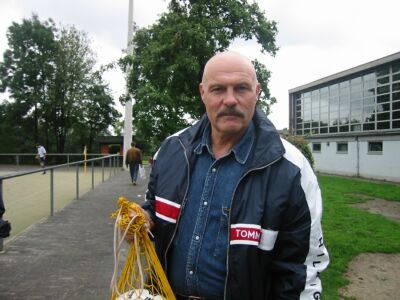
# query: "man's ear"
{"points": [[258, 90], [201, 89]]}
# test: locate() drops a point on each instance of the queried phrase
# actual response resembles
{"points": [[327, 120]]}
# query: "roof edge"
{"points": [[360, 68]]}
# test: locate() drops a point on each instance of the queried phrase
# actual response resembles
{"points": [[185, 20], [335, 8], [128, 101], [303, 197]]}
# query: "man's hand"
{"points": [[149, 223]]}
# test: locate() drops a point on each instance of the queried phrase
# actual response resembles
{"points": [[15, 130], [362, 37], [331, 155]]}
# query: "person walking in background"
{"points": [[41, 156], [234, 209], [133, 158]]}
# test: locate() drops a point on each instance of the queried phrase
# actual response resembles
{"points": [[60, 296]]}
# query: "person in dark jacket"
{"points": [[133, 159], [234, 209]]}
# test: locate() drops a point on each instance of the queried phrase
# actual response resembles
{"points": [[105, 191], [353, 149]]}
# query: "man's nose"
{"points": [[230, 97]]}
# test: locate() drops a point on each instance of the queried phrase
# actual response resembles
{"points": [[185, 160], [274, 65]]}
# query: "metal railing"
{"points": [[113, 166], [16, 158]]}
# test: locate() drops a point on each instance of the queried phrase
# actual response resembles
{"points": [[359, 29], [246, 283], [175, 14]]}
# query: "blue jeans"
{"points": [[134, 170]]}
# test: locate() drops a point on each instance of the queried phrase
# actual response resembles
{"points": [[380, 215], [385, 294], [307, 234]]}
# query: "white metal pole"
{"points": [[128, 104]]}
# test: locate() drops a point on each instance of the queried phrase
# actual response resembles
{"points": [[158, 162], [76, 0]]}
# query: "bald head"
{"points": [[229, 91], [229, 61]]}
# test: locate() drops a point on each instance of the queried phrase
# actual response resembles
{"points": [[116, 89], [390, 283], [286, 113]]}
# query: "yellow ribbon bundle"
{"points": [[142, 276]]}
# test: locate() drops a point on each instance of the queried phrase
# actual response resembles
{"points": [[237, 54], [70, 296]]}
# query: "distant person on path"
{"points": [[133, 158], [41, 156], [234, 209]]}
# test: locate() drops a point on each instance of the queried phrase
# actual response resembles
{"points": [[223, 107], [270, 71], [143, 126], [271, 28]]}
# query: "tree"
{"points": [[99, 113], [28, 68], [50, 75], [73, 67], [170, 55], [6, 126]]}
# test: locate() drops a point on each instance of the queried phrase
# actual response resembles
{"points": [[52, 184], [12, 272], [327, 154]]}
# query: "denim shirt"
{"points": [[198, 254]]}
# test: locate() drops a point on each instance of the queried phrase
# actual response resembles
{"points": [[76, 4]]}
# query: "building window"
{"points": [[342, 147], [370, 102], [316, 147], [323, 130], [375, 147]]}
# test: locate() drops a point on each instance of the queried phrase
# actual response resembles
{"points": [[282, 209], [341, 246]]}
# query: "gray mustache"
{"points": [[230, 111]]}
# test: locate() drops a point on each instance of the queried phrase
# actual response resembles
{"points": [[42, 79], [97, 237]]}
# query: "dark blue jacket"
{"points": [[276, 248]]}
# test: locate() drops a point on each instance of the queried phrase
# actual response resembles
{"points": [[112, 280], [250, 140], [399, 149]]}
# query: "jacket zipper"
{"points": [[229, 220], [180, 211]]}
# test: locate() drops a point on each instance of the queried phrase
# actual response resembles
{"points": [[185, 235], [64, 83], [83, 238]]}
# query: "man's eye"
{"points": [[216, 89], [242, 88]]}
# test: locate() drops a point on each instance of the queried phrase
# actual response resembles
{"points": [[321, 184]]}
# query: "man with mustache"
{"points": [[234, 209]]}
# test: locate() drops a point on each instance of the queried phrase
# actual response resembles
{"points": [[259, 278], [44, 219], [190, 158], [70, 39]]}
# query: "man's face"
{"points": [[229, 92]]}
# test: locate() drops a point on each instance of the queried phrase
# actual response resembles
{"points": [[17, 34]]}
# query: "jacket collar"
{"points": [[267, 145], [240, 151]]}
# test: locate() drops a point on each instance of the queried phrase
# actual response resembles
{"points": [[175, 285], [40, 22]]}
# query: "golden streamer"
{"points": [[142, 276]]}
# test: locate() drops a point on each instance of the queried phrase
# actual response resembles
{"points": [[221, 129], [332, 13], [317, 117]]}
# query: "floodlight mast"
{"points": [[128, 104]]}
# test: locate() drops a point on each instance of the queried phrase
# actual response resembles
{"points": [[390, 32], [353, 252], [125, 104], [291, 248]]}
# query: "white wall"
{"points": [[381, 166], [330, 161], [384, 166]]}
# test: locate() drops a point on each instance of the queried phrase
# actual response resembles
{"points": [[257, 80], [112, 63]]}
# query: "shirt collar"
{"points": [[241, 150]]}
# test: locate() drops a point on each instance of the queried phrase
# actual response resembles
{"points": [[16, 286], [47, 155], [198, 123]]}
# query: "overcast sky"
{"points": [[317, 38]]}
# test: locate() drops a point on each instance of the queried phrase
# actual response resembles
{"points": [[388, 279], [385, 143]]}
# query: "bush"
{"points": [[302, 145]]}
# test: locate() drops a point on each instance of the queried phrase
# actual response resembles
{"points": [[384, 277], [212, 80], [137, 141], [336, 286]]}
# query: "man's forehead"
{"points": [[229, 66], [229, 77]]}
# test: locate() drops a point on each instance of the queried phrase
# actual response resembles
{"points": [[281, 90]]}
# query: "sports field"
{"points": [[27, 198]]}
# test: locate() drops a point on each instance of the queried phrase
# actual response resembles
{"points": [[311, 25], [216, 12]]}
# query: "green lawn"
{"points": [[349, 231]]}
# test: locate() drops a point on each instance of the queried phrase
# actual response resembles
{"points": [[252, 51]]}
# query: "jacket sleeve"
{"points": [[301, 255], [149, 203], [317, 259], [127, 158]]}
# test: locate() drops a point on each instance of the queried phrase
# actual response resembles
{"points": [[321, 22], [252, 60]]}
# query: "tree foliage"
{"points": [[54, 90], [170, 55], [28, 67]]}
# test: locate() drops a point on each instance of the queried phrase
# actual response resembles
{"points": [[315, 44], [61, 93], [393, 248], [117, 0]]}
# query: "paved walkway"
{"points": [[69, 255]]}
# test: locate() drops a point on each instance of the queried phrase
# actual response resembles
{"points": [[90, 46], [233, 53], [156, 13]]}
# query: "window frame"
{"points": [[365, 99], [339, 151], [316, 144], [379, 152]]}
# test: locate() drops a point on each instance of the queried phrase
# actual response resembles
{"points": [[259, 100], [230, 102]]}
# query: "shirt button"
{"points": [[205, 203], [214, 169], [191, 272], [197, 237]]}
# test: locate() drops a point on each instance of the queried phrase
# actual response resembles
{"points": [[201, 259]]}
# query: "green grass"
{"points": [[349, 231]]}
